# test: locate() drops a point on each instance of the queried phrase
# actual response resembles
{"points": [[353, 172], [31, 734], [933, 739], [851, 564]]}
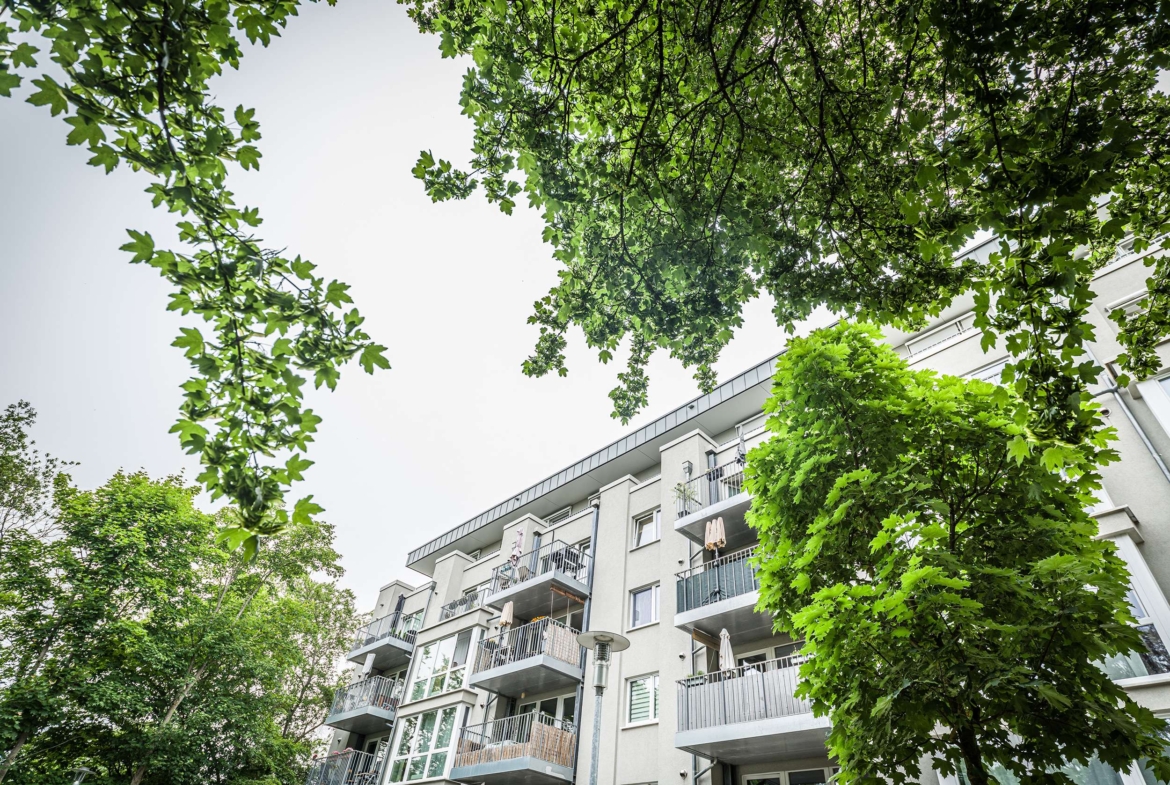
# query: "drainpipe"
{"points": [[585, 624], [1141, 432]]}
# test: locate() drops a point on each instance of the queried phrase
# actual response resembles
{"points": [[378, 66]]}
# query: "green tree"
{"points": [[27, 478], [132, 80], [943, 575], [689, 156], [139, 646]]}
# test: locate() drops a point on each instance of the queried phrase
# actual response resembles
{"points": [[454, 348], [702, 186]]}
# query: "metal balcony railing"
{"points": [[546, 636], [350, 767], [764, 690], [403, 628], [468, 602], [714, 485], [530, 735], [552, 556], [719, 579], [377, 692]]}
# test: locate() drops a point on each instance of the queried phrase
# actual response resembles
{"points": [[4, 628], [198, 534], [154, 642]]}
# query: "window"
{"points": [[644, 606], [642, 702], [441, 666], [422, 745], [562, 708], [647, 528], [558, 516], [802, 777], [1155, 659]]}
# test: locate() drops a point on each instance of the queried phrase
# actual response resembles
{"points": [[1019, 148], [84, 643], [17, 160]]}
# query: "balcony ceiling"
{"points": [[759, 741], [532, 676], [515, 771], [389, 653]]}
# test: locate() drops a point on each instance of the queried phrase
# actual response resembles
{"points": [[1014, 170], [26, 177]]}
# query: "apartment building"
{"points": [[475, 676]]}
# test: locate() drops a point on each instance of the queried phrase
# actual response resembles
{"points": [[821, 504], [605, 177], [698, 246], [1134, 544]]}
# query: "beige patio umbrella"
{"points": [[716, 535], [726, 655], [507, 615]]}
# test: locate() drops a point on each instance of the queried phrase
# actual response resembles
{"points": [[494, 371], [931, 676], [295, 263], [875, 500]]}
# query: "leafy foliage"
{"points": [[943, 573], [137, 646], [689, 156], [27, 478], [133, 84]]}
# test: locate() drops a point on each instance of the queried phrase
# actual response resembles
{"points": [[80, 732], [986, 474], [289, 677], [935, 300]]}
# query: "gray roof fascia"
{"points": [[679, 416]]}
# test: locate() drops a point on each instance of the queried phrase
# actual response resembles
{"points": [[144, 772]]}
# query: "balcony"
{"points": [[718, 492], [468, 602], [529, 581], [749, 715], [343, 768], [538, 657], [528, 749], [366, 706], [390, 638], [721, 594]]}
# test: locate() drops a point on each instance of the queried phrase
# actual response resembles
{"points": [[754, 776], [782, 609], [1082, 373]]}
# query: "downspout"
{"points": [[585, 626], [1141, 432]]}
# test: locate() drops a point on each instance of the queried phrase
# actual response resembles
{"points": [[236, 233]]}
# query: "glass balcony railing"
{"points": [[719, 579], [396, 626], [713, 486], [468, 602], [748, 693]]}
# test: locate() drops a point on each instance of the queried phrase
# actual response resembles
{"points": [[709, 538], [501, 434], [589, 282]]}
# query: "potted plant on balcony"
{"points": [[686, 497]]}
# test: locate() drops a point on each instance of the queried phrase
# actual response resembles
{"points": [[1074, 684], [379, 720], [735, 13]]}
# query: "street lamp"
{"points": [[603, 645], [79, 774]]}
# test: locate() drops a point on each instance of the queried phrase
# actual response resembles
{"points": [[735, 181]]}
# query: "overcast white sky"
{"points": [[346, 99]]}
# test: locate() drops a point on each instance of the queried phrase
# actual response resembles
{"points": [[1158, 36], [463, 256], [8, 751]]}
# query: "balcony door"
{"points": [[562, 708]]}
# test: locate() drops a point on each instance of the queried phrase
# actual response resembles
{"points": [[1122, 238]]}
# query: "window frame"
{"points": [[828, 771], [651, 517], [414, 723], [421, 662], [655, 709], [655, 590]]}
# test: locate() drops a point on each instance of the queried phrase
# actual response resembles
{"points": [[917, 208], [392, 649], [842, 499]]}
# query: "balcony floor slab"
{"points": [[363, 720], [735, 614], [521, 771], [759, 741], [533, 675], [389, 653], [733, 511], [531, 597]]}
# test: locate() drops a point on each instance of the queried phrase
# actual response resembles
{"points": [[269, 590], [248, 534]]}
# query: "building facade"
{"points": [[476, 675]]}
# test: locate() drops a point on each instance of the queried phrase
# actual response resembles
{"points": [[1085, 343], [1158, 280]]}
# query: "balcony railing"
{"points": [[350, 767], [552, 556], [546, 636], [528, 735], [719, 579], [403, 628], [715, 485], [761, 691], [468, 602], [377, 692]]}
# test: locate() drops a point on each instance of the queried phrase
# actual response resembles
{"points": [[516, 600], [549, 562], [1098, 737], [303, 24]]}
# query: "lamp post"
{"points": [[79, 774], [603, 645]]}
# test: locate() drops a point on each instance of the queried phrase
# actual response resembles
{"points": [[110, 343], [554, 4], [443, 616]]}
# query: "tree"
{"points": [[139, 646], [27, 478], [132, 79], [943, 575], [689, 156]]}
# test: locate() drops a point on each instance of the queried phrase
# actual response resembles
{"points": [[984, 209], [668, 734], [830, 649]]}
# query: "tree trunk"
{"points": [[10, 758], [140, 772], [973, 756]]}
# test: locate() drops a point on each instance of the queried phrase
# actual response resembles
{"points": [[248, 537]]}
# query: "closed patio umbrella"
{"points": [[716, 535], [726, 655], [507, 615]]}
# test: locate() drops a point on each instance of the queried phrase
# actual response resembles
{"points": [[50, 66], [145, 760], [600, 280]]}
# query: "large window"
{"points": [[441, 666], [802, 777], [644, 606], [423, 745], [647, 528], [642, 699], [1155, 659]]}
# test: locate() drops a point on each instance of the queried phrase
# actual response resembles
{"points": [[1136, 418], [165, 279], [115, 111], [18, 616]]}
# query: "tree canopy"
{"points": [[133, 82], [943, 574], [136, 645], [690, 156]]}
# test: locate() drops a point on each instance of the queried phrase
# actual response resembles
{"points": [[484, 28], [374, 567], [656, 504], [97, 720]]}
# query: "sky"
{"points": [[346, 99]]}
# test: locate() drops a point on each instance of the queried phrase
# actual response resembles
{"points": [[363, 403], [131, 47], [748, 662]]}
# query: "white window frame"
{"points": [[828, 772], [412, 723], [652, 518], [655, 590], [1149, 594], [558, 516], [1157, 398], [421, 662], [654, 700]]}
